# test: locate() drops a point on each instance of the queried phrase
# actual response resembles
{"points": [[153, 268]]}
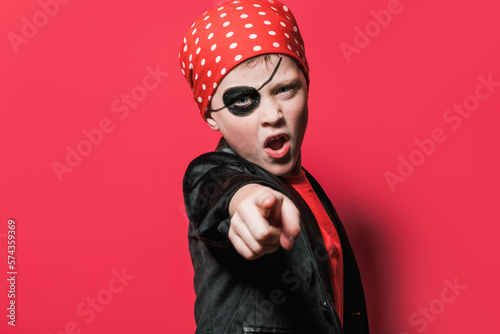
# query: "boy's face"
{"points": [[261, 110]]}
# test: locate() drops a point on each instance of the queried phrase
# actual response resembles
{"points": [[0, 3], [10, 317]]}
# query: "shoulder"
{"points": [[220, 164], [223, 154]]}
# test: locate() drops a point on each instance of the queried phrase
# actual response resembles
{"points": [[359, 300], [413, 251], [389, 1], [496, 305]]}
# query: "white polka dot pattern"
{"points": [[231, 33]]}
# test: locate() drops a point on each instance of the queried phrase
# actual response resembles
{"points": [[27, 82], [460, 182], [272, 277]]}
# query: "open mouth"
{"points": [[277, 146]]}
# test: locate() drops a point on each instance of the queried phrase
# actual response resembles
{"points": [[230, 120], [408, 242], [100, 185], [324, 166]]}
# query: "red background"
{"points": [[121, 206]]}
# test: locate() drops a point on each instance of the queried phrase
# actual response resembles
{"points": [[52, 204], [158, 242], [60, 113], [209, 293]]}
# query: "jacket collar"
{"points": [[223, 146]]}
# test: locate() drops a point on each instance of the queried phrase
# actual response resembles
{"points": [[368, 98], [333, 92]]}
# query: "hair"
{"points": [[265, 58]]}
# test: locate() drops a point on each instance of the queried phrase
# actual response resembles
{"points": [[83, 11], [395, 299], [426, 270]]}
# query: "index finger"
{"points": [[290, 222], [259, 226]]}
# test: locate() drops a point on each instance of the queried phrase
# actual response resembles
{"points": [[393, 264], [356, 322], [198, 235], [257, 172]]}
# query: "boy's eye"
{"points": [[286, 89], [241, 101]]}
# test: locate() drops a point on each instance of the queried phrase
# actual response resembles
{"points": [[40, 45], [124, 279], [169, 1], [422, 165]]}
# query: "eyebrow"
{"points": [[265, 83], [272, 75], [289, 82]]}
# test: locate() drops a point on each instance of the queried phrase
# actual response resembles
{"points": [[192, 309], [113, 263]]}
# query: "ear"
{"points": [[212, 123]]}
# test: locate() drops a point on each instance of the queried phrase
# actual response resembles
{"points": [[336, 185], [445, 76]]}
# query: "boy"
{"points": [[268, 250]]}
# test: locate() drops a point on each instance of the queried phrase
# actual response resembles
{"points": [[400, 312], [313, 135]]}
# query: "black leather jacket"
{"points": [[282, 292]]}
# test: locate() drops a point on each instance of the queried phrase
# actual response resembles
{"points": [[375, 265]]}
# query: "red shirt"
{"points": [[330, 237]]}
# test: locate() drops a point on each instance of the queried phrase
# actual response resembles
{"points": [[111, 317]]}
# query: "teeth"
{"points": [[275, 138]]}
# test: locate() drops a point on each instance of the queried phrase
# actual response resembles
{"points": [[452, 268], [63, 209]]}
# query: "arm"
{"points": [[210, 184]]}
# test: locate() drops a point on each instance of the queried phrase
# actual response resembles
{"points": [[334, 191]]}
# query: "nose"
{"points": [[270, 113]]}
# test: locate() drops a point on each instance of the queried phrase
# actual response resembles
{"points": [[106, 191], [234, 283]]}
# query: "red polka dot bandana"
{"points": [[231, 33]]}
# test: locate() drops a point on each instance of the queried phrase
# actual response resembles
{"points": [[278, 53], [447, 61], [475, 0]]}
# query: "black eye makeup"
{"points": [[243, 100]]}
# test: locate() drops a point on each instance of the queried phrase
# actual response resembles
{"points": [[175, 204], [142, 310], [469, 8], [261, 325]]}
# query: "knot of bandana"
{"points": [[231, 33]]}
